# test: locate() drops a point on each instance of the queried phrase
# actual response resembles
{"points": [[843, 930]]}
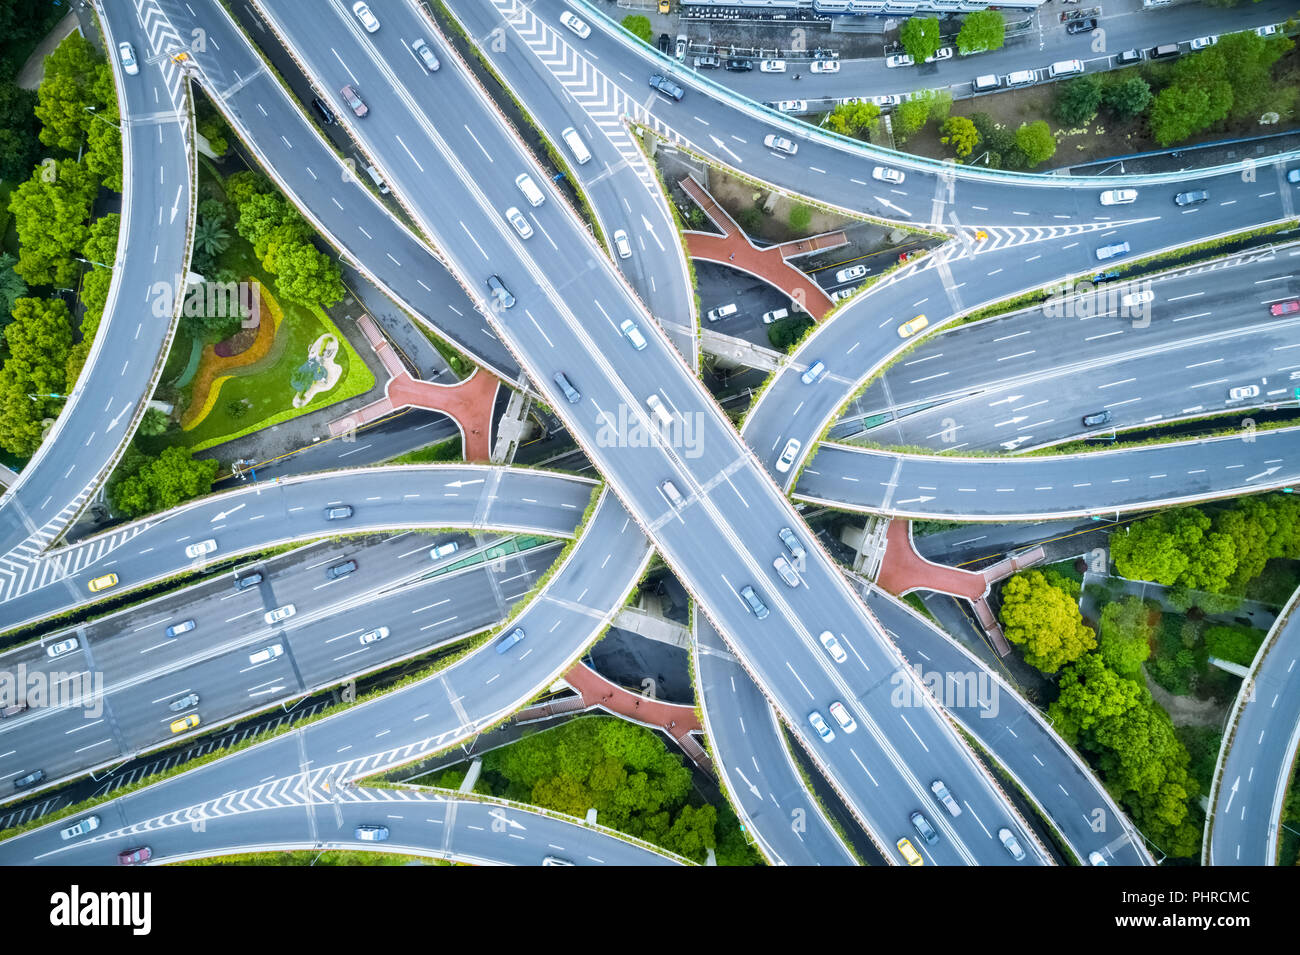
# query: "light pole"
{"points": [[91, 111], [1112, 166]]}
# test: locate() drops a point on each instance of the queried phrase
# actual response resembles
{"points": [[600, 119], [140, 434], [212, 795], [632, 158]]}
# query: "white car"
{"points": [[843, 717], [943, 53], [374, 636], [780, 144], [824, 66], [621, 245], [519, 222], [898, 59], [89, 824], [1265, 31], [771, 66], [851, 273], [793, 106], [62, 647], [280, 613], [200, 548], [887, 175], [819, 724], [1201, 42], [683, 44], [126, 52], [844, 293], [632, 334], [1137, 298], [1094, 857], [575, 24], [788, 454], [1242, 392], [886, 99], [367, 18], [1118, 197], [833, 646]]}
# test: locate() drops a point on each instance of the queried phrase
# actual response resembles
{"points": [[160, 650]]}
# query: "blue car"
{"points": [[510, 639]]}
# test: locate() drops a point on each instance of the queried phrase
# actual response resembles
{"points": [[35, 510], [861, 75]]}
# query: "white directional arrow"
{"points": [[464, 483], [1016, 420], [721, 145], [752, 787], [649, 227], [501, 814], [917, 500], [114, 423], [1016, 442], [1005, 401], [224, 514], [886, 202], [1232, 792], [1276, 467], [176, 205]]}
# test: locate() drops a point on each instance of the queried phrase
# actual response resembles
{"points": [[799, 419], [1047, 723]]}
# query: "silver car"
{"points": [[780, 144], [786, 572]]}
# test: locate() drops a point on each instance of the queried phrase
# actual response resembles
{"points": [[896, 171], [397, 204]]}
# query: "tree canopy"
{"points": [[920, 37], [50, 211], [144, 484], [1036, 142], [1044, 620], [38, 338], [980, 31]]}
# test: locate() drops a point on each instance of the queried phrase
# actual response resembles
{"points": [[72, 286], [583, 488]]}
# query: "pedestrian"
{"points": [[732, 257], [796, 76]]}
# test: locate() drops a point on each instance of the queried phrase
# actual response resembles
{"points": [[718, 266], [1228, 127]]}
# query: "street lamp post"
{"points": [[91, 111]]}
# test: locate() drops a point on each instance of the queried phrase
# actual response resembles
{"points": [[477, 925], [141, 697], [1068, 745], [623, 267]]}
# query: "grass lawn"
{"points": [[267, 396], [448, 450], [332, 858]]}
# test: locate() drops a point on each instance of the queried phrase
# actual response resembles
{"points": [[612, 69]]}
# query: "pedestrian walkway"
{"points": [[678, 720], [734, 249], [469, 403], [33, 71]]}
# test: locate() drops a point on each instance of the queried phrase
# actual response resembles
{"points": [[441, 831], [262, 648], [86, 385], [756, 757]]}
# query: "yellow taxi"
{"points": [[905, 850], [102, 583], [663, 6], [185, 723], [908, 329]]}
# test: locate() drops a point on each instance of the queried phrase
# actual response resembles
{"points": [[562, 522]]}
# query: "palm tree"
{"points": [[211, 237]]}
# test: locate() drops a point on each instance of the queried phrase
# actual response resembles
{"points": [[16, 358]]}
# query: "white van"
{"points": [[674, 496], [775, 315], [529, 189], [989, 81], [659, 411], [377, 179], [575, 143], [722, 311], [1065, 68], [1021, 78]]}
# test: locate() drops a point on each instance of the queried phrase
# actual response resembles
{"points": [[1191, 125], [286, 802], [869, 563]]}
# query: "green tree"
{"points": [[1077, 100], [1044, 620], [214, 129], [853, 119], [788, 331], [999, 142], [910, 116], [639, 27], [211, 237], [920, 37], [12, 286], [1091, 693], [1235, 644], [960, 134], [1127, 628], [1159, 548], [76, 76], [1036, 142], [980, 31], [159, 483], [800, 217], [103, 155], [242, 186], [20, 143], [1199, 95], [50, 211], [100, 247], [38, 338], [154, 422], [1249, 60], [305, 275], [1212, 565], [1127, 98]]}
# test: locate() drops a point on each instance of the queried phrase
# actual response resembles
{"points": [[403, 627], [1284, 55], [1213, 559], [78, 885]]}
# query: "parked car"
{"points": [[134, 856], [1242, 392], [665, 43], [792, 106], [923, 828], [945, 798], [707, 61], [338, 512], [908, 329], [1193, 198], [843, 717], [1128, 57], [771, 66], [510, 639], [943, 53], [367, 18], [500, 294], [421, 49], [898, 59], [666, 86], [738, 64], [126, 53], [1096, 420], [354, 100], [1086, 25], [824, 66], [176, 629], [576, 25], [1008, 839], [1116, 197], [833, 646], [814, 373], [683, 44], [374, 636], [62, 647], [851, 273], [883, 174], [722, 311], [780, 144], [371, 833], [886, 99], [788, 454], [1201, 42], [1284, 308], [819, 724]]}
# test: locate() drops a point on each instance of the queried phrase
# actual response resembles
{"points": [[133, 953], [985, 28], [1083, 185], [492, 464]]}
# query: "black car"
{"points": [[665, 43], [1094, 420], [338, 512], [252, 580], [1125, 57], [1193, 198], [499, 291], [341, 570], [738, 65], [31, 779], [1081, 26], [323, 111]]}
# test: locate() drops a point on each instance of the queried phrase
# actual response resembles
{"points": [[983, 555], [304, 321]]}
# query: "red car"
{"points": [[354, 100], [135, 856], [1285, 308], [913, 254]]}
